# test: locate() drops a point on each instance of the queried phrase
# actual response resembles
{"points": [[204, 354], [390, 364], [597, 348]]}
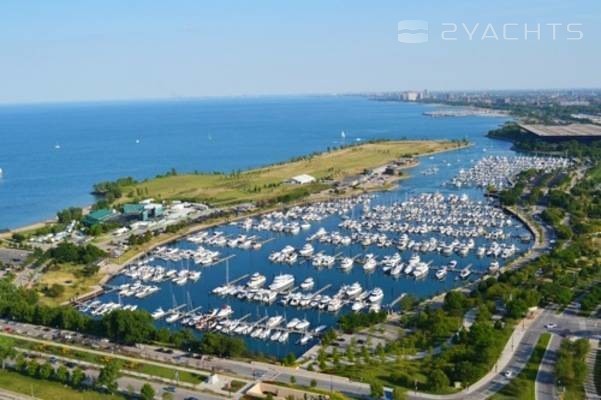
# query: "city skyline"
{"points": [[138, 51]]}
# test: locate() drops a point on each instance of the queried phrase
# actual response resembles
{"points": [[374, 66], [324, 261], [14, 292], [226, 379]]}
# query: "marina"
{"points": [[300, 268], [499, 171]]}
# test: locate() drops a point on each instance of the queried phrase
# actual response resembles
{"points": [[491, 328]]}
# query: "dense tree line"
{"points": [[112, 190], [570, 368], [351, 323], [67, 252], [69, 214], [126, 327]]}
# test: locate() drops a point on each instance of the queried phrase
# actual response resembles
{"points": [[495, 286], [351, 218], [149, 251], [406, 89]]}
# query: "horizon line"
{"points": [[275, 95]]}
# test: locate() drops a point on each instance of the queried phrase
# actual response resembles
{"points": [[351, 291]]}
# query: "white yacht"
{"points": [[302, 325], [494, 267], [256, 281], [283, 337], [353, 290], [158, 313], [421, 270], [442, 273], [174, 317], [335, 304], [293, 323], [225, 312], [308, 284], [307, 250], [370, 263], [465, 273], [276, 336], [376, 295], [358, 306], [305, 339], [282, 282], [274, 321], [346, 264]]}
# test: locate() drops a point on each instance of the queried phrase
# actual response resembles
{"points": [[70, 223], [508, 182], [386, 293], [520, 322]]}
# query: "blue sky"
{"points": [[113, 49]]}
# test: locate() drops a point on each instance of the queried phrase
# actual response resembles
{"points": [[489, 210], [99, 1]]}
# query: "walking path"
{"points": [[515, 355], [6, 395]]}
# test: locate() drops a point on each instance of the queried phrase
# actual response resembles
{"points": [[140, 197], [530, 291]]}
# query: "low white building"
{"points": [[302, 179]]}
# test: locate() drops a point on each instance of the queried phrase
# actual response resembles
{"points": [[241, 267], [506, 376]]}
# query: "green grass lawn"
{"points": [[155, 370], [391, 374], [522, 386], [47, 390], [265, 184], [82, 355]]}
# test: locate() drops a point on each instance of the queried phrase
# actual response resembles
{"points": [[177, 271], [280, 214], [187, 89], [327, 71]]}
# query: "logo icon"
{"points": [[413, 31]]}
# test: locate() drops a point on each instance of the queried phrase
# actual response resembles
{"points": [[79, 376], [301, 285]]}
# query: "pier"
{"points": [[397, 300], [231, 283], [220, 260]]}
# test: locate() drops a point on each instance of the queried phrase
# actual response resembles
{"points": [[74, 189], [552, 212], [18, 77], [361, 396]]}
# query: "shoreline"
{"points": [[118, 267]]}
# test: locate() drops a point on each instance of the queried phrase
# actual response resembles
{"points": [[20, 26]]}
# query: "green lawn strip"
{"points": [[140, 367], [236, 385], [47, 390], [183, 376], [522, 386], [403, 374]]}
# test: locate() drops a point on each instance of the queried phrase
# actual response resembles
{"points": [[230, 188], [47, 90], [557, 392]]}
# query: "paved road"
{"points": [[544, 386], [569, 324], [514, 356], [129, 382]]}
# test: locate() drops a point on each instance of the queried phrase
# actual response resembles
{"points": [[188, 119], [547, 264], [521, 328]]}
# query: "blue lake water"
{"points": [[51, 156], [98, 141]]}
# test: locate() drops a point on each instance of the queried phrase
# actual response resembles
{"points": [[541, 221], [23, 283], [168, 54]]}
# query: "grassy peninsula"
{"points": [[266, 185]]}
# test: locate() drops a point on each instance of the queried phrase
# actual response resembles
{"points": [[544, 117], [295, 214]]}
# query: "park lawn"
{"points": [[522, 386], [389, 374], [82, 355], [266, 184], [67, 275], [47, 390], [162, 372]]}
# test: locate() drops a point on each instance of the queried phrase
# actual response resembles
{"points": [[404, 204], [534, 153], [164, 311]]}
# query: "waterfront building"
{"points": [[99, 216], [302, 179]]}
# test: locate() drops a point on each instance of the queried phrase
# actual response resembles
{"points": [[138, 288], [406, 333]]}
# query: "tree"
{"points": [[32, 368], [7, 349], [62, 374], [290, 359], [109, 374], [438, 380], [398, 394], [77, 377], [45, 371], [69, 214], [147, 392], [377, 390], [128, 326]]}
